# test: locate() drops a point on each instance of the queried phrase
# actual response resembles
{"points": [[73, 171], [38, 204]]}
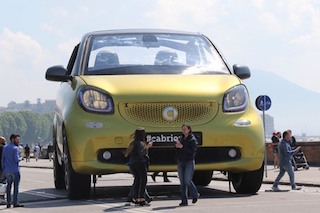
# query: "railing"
{"points": [[310, 149]]}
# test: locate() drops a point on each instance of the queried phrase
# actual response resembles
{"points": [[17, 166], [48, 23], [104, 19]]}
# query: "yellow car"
{"points": [[119, 80]]}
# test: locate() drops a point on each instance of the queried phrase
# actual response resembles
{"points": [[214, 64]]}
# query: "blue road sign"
{"points": [[263, 102]]}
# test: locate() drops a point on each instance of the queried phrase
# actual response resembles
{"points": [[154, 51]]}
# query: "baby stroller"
{"points": [[298, 159]]}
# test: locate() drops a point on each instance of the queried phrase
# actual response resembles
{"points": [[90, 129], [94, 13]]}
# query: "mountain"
{"points": [[293, 107]]}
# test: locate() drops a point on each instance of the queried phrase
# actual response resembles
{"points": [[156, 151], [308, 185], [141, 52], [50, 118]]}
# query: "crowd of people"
{"points": [[37, 152]]}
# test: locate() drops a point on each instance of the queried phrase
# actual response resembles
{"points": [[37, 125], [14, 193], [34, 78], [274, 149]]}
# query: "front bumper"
{"points": [[88, 142]]}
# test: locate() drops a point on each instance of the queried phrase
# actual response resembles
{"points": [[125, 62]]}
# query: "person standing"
{"points": [[2, 144], [27, 152], [50, 151], [285, 154], [137, 152], [275, 142], [36, 152], [2, 178], [293, 141], [186, 148], [10, 165]]}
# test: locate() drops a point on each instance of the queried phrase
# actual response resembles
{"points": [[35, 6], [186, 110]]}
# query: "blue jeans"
{"points": [[185, 172], [15, 179], [283, 169]]}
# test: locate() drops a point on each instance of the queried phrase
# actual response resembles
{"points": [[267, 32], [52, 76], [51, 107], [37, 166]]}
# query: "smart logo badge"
{"points": [[170, 113]]}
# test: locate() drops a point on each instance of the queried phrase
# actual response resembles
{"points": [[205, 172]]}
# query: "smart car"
{"points": [[118, 80]]}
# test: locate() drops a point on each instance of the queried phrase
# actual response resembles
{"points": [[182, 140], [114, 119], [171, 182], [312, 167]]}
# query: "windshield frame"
{"points": [[164, 43]]}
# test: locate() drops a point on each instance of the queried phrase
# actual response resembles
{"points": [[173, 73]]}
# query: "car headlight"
{"points": [[95, 100], [235, 99]]}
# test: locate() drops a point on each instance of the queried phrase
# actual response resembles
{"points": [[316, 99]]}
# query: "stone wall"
{"points": [[310, 149]]}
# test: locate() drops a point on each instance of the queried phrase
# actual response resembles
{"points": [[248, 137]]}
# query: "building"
{"points": [[269, 125], [47, 106]]}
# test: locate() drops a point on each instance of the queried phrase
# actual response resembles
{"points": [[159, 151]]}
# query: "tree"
{"points": [[8, 124], [29, 125], [33, 126], [21, 125]]}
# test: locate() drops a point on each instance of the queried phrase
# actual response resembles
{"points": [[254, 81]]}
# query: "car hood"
{"points": [[162, 88]]}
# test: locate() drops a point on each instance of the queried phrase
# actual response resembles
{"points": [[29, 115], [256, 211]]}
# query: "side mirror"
{"points": [[243, 72], [57, 73]]}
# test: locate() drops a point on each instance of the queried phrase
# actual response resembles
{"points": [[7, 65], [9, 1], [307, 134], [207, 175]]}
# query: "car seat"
{"points": [[166, 57], [105, 59]]}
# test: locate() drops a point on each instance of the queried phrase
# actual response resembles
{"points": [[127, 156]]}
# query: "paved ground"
{"points": [[38, 194], [303, 177]]}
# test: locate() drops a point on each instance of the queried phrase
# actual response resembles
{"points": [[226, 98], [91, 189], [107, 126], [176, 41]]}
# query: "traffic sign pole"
{"points": [[264, 136], [263, 103]]}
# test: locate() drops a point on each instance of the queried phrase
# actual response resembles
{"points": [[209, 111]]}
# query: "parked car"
{"points": [[117, 80]]}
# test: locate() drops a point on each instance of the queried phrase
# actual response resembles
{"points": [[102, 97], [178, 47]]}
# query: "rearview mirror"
{"points": [[243, 72], [57, 73]]}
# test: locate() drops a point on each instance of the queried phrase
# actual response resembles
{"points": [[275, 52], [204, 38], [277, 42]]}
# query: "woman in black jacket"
{"points": [[138, 162], [186, 148]]}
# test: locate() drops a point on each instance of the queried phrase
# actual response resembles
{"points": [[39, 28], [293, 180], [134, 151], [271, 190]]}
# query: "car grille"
{"points": [[152, 113], [167, 155]]}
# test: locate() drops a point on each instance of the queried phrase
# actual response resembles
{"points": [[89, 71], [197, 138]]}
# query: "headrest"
{"points": [[105, 59], [166, 57]]}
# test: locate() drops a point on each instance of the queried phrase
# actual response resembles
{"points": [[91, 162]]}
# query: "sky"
{"points": [[278, 36]]}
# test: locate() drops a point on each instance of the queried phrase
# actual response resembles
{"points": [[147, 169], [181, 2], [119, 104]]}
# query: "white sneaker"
{"points": [[276, 189], [297, 188]]}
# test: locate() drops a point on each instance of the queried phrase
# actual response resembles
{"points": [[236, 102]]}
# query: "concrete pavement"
{"points": [[303, 177], [41, 163], [310, 177]]}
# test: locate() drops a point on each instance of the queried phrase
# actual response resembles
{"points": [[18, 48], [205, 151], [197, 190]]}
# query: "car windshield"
{"points": [[152, 53]]}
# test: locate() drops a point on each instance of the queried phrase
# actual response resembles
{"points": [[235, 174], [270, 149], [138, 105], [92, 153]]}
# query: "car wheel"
{"points": [[247, 182], [77, 185], [202, 178], [58, 170]]}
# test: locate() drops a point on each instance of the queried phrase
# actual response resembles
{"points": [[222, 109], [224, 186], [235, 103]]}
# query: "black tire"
{"points": [[202, 178], [58, 171], [77, 185], [247, 182]]}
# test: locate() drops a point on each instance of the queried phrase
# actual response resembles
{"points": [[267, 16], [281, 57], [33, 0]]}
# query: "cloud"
{"points": [[186, 13], [258, 3], [60, 12], [23, 62], [21, 51], [53, 30]]}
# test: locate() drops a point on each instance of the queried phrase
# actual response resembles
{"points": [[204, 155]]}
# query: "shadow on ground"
{"points": [[114, 196]]}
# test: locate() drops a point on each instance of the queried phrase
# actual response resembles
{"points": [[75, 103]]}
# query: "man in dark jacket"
{"points": [[50, 151]]}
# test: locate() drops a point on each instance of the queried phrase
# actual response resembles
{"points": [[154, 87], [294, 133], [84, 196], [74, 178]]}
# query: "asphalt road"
{"points": [[38, 194]]}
